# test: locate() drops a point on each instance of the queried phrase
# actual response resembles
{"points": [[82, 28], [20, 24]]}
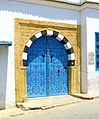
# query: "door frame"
{"points": [[29, 80], [61, 38]]}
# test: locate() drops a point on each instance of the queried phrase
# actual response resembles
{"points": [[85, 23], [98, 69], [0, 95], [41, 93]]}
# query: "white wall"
{"points": [[9, 11], [89, 25], [71, 1], [93, 1], [92, 27], [84, 84]]}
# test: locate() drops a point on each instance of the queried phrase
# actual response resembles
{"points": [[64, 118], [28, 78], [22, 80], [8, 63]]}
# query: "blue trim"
{"points": [[7, 43], [97, 50]]}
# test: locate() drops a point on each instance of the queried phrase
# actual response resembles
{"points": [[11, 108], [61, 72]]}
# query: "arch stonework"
{"points": [[61, 38]]}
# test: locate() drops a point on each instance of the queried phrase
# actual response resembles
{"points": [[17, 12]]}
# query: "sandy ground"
{"points": [[88, 109]]}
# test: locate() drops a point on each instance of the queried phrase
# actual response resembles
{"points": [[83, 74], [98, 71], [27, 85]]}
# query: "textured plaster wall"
{"points": [[93, 1], [89, 25], [92, 27], [84, 85], [71, 1], [11, 10]]}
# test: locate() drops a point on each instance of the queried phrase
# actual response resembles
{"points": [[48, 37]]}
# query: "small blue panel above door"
{"points": [[6, 43]]}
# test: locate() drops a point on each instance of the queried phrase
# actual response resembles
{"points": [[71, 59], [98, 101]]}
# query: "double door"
{"points": [[47, 68]]}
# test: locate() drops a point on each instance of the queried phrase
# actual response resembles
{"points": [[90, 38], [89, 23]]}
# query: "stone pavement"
{"points": [[10, 112], [39, 103], [43, 104]]}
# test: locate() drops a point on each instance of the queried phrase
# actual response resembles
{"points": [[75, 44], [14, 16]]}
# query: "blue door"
{"points": [[47, 68]]}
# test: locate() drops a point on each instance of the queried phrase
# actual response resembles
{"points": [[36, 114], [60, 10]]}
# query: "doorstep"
{"points": [[48, 102]]}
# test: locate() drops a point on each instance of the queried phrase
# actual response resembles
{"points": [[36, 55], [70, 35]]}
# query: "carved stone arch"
{"points": [[61, 38]]}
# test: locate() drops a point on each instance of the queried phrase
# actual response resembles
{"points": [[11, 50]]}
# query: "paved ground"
{"points": [[48, 102], [88, 109]]}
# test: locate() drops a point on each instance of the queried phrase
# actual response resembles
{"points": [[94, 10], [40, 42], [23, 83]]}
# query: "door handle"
{"points": [[43, 57]]}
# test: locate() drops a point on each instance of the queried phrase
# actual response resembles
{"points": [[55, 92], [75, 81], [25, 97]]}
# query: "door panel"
{"points": [[36, 71], [58, 84], [47, 68]]}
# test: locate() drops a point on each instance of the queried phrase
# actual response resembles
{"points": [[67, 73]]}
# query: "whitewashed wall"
{"points": [[79, 1], [9, 11], [84, 85], [89, 25], [92, 27], [71, 1], [93, 1]]}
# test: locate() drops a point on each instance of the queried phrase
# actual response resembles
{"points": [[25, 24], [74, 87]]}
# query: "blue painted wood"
{"points": [[57, 67], [36, 71], [47, 68], [97, 51]]}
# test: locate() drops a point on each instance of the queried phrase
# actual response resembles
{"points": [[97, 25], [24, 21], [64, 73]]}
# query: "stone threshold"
{"points": [[51, 102], [48, 102]]}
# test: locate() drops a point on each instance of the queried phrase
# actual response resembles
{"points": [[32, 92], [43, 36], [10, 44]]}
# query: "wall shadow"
{"points": [[3, 75], [71, 80]]}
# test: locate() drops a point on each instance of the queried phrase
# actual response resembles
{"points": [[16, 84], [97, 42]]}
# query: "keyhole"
{"points": [[51, 57], [58, 72], [43, 57]]}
